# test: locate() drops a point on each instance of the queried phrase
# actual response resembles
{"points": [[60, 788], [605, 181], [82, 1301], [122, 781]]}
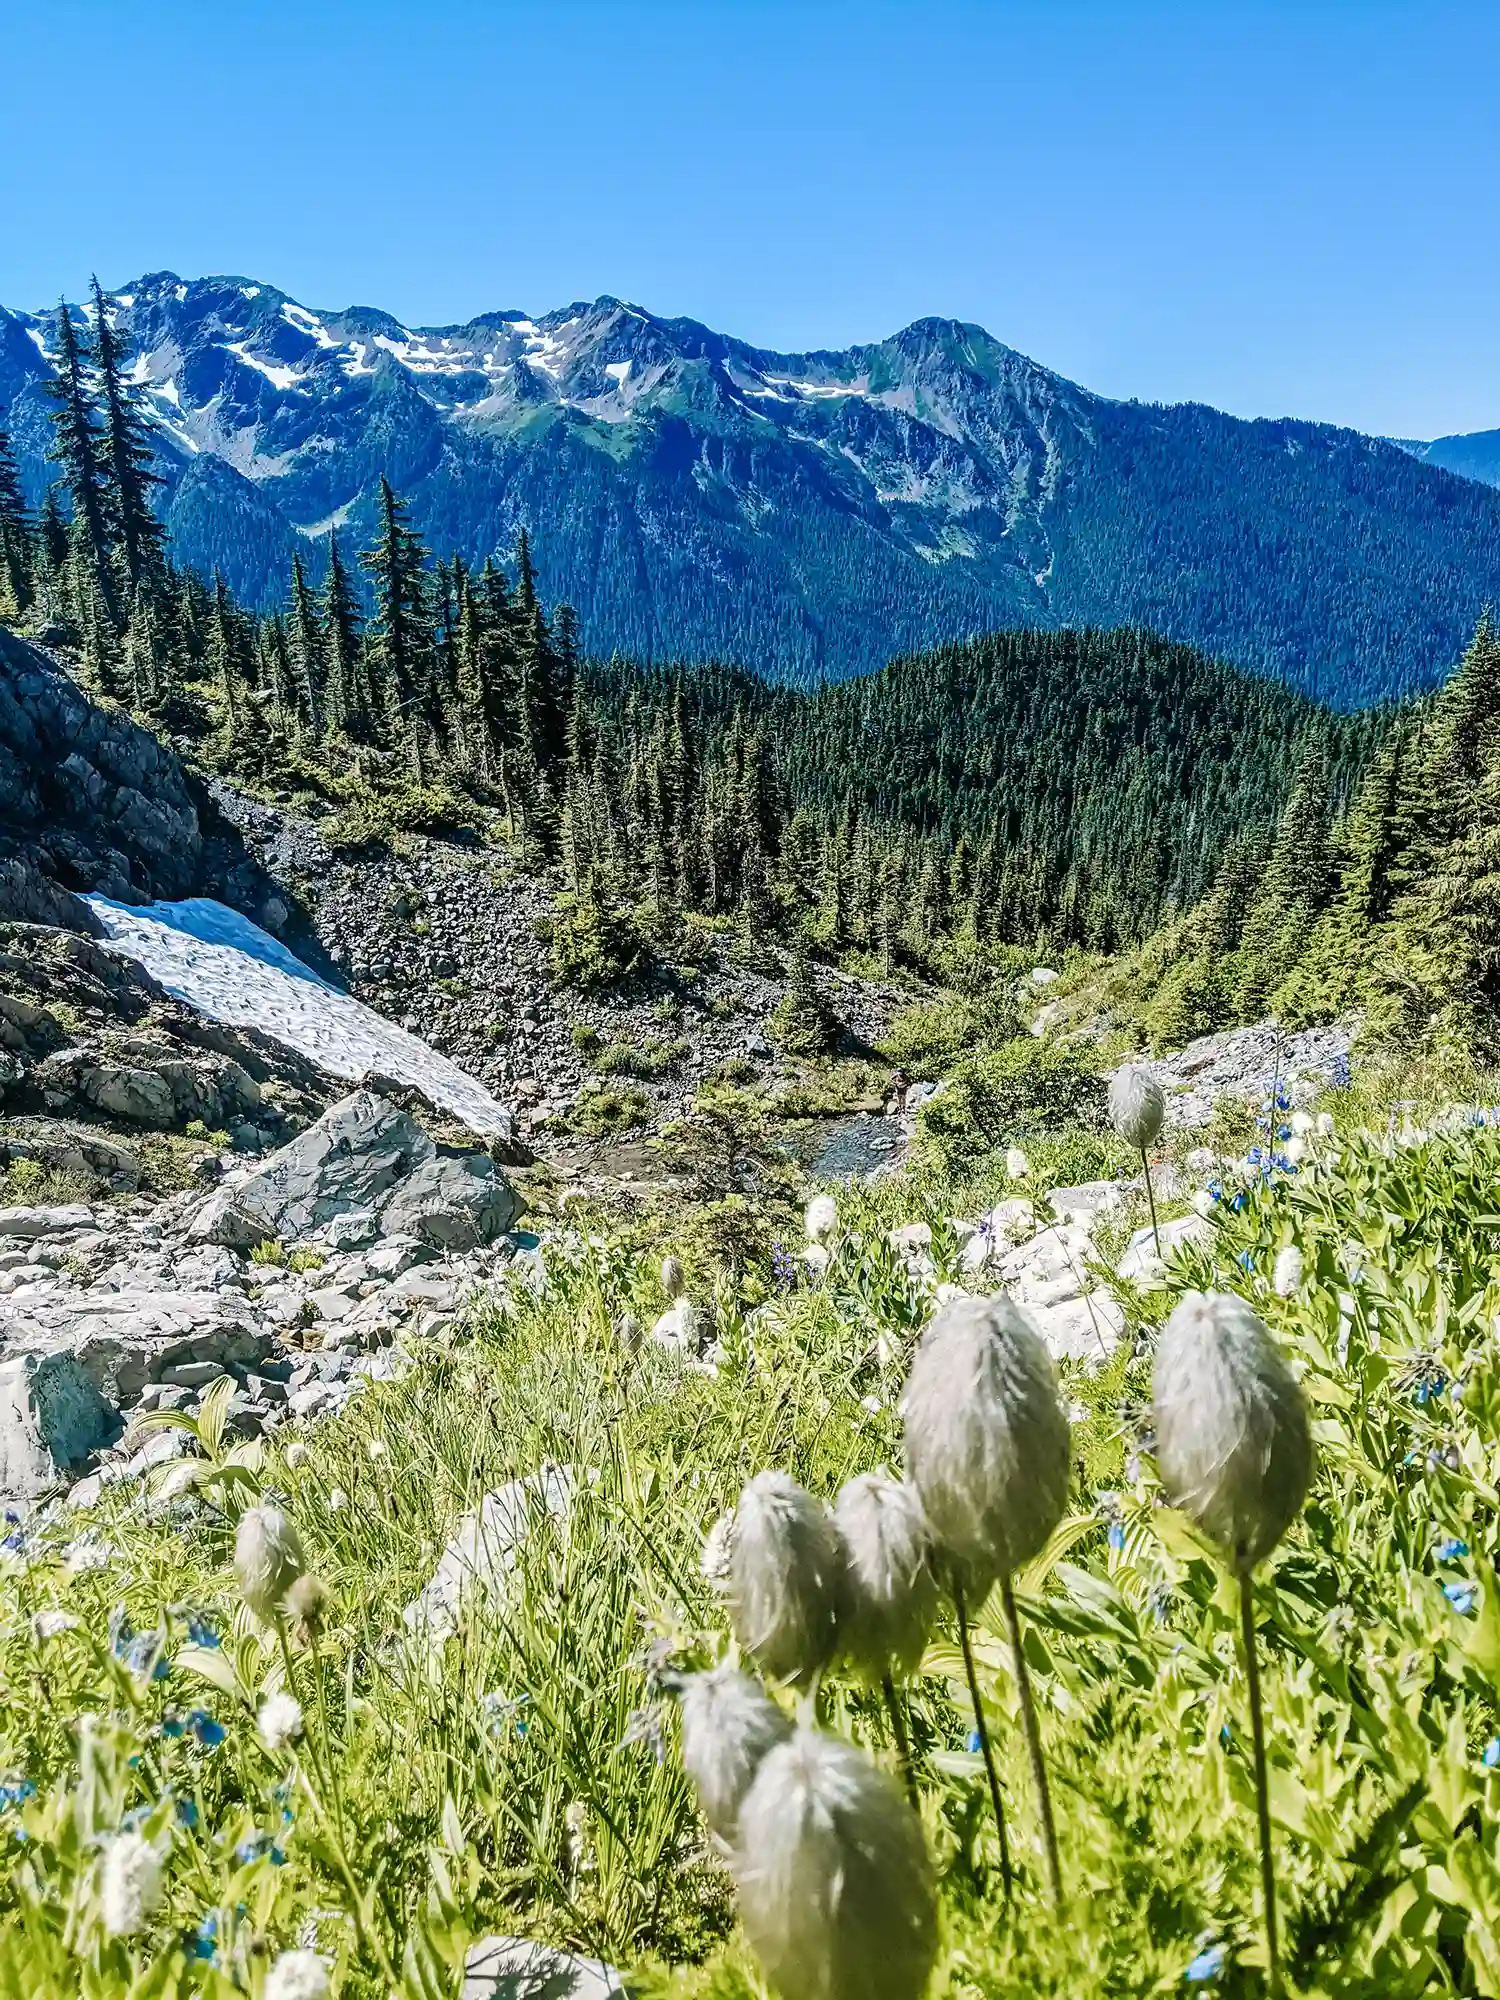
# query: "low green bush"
{"points": [[1008, 1094]]}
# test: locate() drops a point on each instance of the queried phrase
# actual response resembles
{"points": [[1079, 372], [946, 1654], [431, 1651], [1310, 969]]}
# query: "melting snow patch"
{"points": [[280, 378], [217, 961]]}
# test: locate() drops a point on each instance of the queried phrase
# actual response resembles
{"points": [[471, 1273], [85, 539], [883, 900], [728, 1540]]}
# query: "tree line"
{"points": [[1044, 789]]}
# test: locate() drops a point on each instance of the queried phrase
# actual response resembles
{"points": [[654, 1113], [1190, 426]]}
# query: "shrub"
{"points": [[931, 1037], [1010, 1093], [594, 943], [802, 1023], [650, 1058], [600, 1108]]}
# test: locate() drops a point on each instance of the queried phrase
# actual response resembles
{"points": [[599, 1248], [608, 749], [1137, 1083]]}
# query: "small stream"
{"points": [[848, 1149]]}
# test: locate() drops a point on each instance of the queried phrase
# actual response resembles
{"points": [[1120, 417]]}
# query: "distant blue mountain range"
{"points": [[803, 515]]}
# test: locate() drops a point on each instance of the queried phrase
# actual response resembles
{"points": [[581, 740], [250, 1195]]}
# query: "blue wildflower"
{"points": [[1461, 1596], [974, 1743], [1116, 1535], [1283, 1131], [173, 1726], [1226, 1735], [259, 1847], [208, 1732], [1215, 1192], [1247, 1259], [143, 1655], [783, 1268], [15, 1541], [1239, 1201], [1453, 1550], [1490, 1756], [16, 1793], [187, 1812], [1255, 1155], [1207, 1965], [200, 1631], [1283, 1102], [206, 1937]]}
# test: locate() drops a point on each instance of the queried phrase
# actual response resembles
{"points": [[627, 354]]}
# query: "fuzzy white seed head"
{"points": [[1302, 1122], [672, 1277], [718, 1549], [628, 1332], [1325, 1124], [817, 1259], [1017, 1166], [1295, 1150], [298, 1975], [279, 1721], [987, 1443], [1204, 1203], [1232, 1437], [338, 1500], [1137, 1105], [786, 1577], [821, 1218], [836, 1893], [1286, 1274], [296, 1454], [729, 1722], [130, 1885], [268, 1559], [890, 1591]]}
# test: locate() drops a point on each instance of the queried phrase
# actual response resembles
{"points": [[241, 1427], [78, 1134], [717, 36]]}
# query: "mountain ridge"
{"points": [[803, 514]]}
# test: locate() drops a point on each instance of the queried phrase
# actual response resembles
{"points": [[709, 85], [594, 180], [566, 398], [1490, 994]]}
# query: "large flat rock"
{"points": [[123, 1340]]}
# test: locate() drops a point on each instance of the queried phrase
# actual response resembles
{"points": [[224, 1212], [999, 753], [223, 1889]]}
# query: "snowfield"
{"points": [[217, 961]]}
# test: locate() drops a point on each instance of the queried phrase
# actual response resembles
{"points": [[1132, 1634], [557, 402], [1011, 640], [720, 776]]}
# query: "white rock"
{"points": [[33, 1222], [1140, 1260], [1086, 1328], [500, 1968], [1082, 1203], [51, 1417], [486, 1546]]}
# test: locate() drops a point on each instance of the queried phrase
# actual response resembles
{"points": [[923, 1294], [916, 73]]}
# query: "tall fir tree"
{"points": [[128, 457], [77, 447]]}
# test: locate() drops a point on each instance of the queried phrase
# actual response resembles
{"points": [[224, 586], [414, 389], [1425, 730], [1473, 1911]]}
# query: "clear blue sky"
{"points": [[1277, 208]]}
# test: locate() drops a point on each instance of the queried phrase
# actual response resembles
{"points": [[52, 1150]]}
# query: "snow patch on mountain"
{"points": [[219, 963]]}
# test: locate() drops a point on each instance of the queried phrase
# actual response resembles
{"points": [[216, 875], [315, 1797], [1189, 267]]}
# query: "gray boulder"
{"points": [[455, 1204], [363, 1156], [52, 1417], [487, 1545]]}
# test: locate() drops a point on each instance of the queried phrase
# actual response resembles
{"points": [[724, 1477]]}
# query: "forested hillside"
{"points": [[802, 516]]}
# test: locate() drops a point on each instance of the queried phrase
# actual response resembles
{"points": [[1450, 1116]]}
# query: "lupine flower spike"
{"points": [[987, 1445], [1234, 1448], [836, 1892], [1138, 1110]]}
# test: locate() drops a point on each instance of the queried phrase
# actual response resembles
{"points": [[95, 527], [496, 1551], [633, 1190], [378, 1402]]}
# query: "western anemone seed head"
{"points": [[987, 1442], [628, 1332], [786, 1577], [1286, 1274], [1017, 1166], [279, 1721], [1232, 1437], [890, 1591], [298, 1975], [130, 1885], [672, 1278], [821, 1218], [729, 1722], [268, 1559], [306, 1602], [718, 1550], [1137, 1105], [835, 1887]]}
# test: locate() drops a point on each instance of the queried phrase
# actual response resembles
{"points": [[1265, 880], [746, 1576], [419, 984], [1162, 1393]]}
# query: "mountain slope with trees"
{"points": [[802, 516]]}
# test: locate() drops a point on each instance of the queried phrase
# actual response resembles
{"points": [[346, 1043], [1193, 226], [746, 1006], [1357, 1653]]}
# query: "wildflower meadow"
{"points": [[881, 1657]]}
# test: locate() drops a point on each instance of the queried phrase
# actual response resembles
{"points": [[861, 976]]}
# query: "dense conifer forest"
{"points": [[1102, 790]]}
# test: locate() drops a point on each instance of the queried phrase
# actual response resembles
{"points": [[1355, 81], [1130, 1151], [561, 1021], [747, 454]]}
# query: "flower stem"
{"points": [[1034, 1744], [1151, 1198], [1262, 1795], [982, 1730], [903, 1741]]}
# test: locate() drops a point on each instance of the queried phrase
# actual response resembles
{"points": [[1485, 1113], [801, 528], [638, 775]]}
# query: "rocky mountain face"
{"points": [[800, 514], [1471, 454]]}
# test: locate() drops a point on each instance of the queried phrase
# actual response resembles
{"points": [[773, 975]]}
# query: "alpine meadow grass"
{"points": [[201, 1796]]}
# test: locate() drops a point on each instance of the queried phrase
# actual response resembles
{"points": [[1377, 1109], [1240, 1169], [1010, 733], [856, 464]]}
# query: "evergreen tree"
{"points": [[401, 637], [77, 448], [127, 457], [17, 588], [346, 698], [305, 651]]}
